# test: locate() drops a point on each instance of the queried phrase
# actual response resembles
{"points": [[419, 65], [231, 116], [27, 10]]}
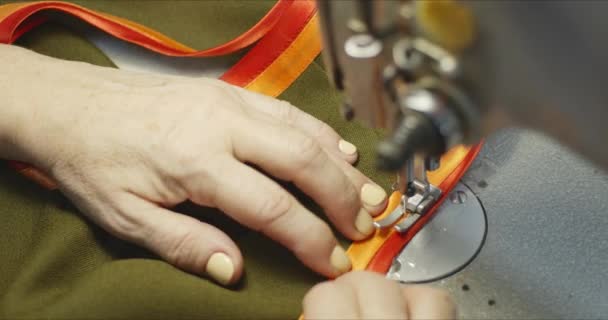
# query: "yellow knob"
{"points": [[448, 23]]}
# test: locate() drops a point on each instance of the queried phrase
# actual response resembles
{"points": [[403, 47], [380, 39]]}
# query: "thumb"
{"points": [[187, 243], [428, 303]]}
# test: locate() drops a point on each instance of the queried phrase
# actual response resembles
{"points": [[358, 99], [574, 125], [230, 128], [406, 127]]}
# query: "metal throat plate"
{"points": [[447, 244]]}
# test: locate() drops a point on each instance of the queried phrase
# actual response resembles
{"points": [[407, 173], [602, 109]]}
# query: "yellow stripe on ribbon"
{"points": [[8, 9], [291, 63]]}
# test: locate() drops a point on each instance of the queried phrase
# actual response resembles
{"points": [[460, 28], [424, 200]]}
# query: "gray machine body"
{"points": [[546, 249]]}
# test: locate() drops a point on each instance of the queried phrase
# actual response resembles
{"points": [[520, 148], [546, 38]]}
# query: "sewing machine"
{"points": [[543, 252], [436, 74]]}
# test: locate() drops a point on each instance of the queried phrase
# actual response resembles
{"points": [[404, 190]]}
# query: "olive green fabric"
{"points": [[54, 263]]}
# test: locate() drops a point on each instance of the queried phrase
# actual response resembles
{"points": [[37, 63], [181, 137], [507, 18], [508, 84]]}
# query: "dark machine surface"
{"points": [[546, 251]]}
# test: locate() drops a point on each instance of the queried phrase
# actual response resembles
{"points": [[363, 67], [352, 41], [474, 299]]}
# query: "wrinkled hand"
{"points": [[366, 295], [126, 147]]}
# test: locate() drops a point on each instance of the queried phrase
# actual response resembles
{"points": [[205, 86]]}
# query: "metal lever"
{"points": [[390, 219], [418, 194]]}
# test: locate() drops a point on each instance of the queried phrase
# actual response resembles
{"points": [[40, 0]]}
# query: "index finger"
{"points": [[257, 202], [293, 156]]}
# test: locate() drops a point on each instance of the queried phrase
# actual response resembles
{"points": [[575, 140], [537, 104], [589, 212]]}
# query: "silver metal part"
{"points": [[425, 196], [406, 57], [362, 46], [411, 54], [378, 57], [458, 197], [446, 244], [390, 219], [416, 171], [432, 104], [443, 62], [418, 195], [409, 221]]}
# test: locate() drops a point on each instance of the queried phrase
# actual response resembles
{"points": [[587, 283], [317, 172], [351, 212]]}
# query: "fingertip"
{"points": [[364, 223], [348, 151], [374, 198], [377, 210], [426, 302], [224, 268], [221, 262], [320, 251], [220, 268], [238, 268], [183, 241], [340, 261]]}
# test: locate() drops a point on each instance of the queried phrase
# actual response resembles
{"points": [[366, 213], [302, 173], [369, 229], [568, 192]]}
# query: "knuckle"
{"points": [[179, 156], [123, 227], [122, 223], [350, 195], [273, 208], [203, 185], [206, 193], [180, 249], [192, 176], [305, 151], [185, 158]]}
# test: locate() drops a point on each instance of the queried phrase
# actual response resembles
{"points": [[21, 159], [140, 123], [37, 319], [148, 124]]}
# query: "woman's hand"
{"points": [[366, 295], [126, 147]]}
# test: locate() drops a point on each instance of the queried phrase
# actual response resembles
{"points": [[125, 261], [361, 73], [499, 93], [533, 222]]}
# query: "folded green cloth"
{"points": [[54, 263]]}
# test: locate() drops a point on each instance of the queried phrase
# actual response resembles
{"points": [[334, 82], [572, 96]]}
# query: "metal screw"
{"points": [[362, 46], [458, 197], [393, 272]]}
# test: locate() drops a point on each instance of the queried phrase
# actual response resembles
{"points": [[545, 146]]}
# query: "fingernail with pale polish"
{"points": [[364, 222], [339, 260], [220, 268], [347, 148], [372, 195]]}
